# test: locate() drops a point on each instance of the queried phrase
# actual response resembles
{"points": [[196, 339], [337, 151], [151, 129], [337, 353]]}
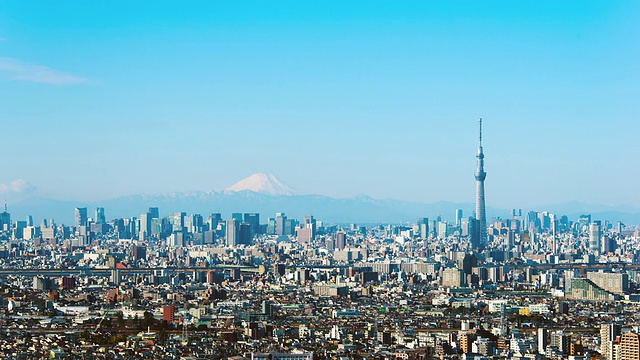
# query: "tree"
{"points": [[120, 319], [148, 319]]}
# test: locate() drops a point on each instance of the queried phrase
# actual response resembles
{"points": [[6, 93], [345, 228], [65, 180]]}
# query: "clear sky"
{"points": [[100, 99]]}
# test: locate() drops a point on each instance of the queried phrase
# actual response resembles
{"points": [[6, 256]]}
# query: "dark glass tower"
{"points": [[481, 216]]}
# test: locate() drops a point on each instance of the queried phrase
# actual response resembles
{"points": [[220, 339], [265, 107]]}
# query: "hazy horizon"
{"points": [[339, 99], [539, 206]]}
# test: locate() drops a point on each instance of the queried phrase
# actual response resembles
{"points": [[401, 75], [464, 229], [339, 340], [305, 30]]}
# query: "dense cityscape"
{"points": [[458, 180], [535, 285]]}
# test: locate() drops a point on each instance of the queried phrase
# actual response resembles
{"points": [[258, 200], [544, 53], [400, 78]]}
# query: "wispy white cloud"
{"points": [[17, 186], [18, 70]]}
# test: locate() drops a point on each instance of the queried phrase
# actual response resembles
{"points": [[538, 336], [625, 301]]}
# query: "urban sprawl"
{"points": [[533, 286], [186, 286]]}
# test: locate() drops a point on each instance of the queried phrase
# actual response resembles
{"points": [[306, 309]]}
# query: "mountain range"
{"points": [[267, 195]]}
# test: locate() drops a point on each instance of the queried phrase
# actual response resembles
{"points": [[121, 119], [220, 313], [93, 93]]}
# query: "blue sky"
{"points": [[106, 98]]}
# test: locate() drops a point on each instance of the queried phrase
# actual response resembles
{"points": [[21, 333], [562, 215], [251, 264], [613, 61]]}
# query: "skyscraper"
{"points": [[154, 213], [341, 240], [423, 228], [237, 216], [310, 223], [594, 237], [81, 216], [178, 221], [458, 217], [100, 218], [5, 219], [244, 234], [145, 226], [281, 219], [253, 219], [232, 230], [480, 232], [213, 221]]}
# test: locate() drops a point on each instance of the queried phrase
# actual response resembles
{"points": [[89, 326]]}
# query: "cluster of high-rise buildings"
{"points": [[522, 287]]}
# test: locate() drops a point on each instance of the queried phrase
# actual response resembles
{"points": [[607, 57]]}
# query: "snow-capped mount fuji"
{"points": [[263, 184]]}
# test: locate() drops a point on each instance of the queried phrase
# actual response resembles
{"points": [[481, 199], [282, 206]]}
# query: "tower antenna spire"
{"points": [[479, 238]]}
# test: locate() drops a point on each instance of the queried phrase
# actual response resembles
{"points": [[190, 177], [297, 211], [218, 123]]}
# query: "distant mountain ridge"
{"points": [[267, 195], [360, 209]]}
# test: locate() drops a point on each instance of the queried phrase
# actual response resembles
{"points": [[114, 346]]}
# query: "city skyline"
{"points": [[339, 100]]}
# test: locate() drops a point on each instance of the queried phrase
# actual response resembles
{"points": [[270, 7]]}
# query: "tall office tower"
{"points": [[281, 219], [584, 219], [209, 237], [481, 232], [154, 213], [443, 230], [433, 228], [213, 221], [310, 223], [100, 218], [188, 223], [290, 226], [178, 221], [510, 240], [29, 220], [608, 244], [81, 216], [341, 240], [423, 227], [144, 228], [545, 220], [198, 223], [458, 217], [132, 226], [244, 235], [465, 225], [608, 334], [594, 237], [194, 223], [5, 219], [233, 232], [517, 223], [237, 216], [253, 219], [532, 221]]}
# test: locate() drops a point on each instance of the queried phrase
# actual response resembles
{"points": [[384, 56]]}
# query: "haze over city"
{"points": [[334, 98], [296, 180]]}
